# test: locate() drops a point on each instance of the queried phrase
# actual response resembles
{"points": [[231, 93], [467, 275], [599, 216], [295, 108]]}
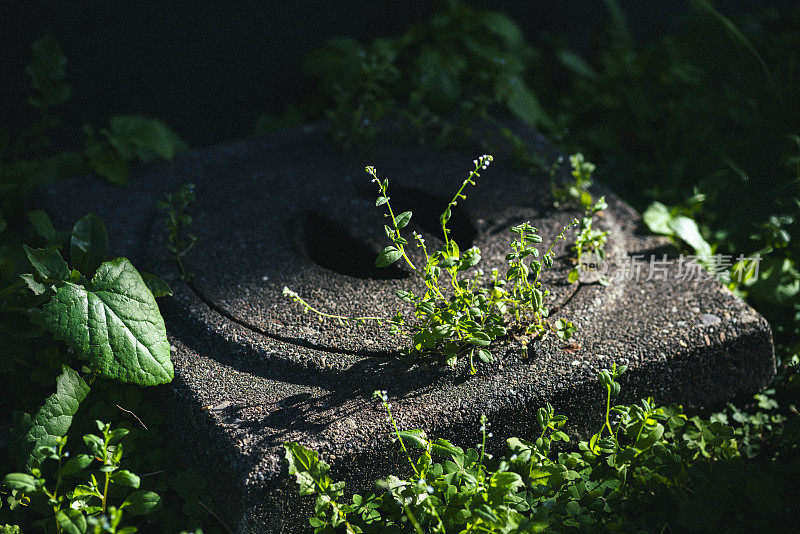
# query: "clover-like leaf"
{"points": [[114, 324]]}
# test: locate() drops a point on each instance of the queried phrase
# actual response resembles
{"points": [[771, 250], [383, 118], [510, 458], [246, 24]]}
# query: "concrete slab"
{"points": [[253, 371]]}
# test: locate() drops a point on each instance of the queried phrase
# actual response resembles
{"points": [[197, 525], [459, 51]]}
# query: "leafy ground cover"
{"points": [[704, 144]]}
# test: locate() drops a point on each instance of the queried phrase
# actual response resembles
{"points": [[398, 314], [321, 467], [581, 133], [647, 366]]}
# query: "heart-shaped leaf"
{"points": [[114, 324]]}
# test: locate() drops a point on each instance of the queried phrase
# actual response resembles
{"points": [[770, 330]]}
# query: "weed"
{"points": [[575, 192], [631, 475], [179, 240], [85, 503], [590, 245], [460, 314]]}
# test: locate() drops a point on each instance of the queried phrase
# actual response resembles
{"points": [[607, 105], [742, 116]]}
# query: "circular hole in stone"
{"points": [[332, 246], [427, 208]]}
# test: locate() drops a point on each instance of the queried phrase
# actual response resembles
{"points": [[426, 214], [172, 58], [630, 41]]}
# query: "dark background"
{"points": [[210, 70]]}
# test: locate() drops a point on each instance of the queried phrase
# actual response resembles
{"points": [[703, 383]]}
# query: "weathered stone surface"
{"points": [[253, 371]]}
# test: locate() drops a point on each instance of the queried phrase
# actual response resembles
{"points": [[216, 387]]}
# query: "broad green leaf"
{"points": [[657, 218], [114, 324], [76, 464], [306, 466], [108, 163], [480, 339], [20, 482], [549, 474], [51, 421], [142, 502], [88, 244], [48, 263], [124, 477], [42, 225], [507, 481], [442, 446], [417, 438], [71, 521], [48, 62], [143, 138], [687, 230], [388, 256], [647, 440]]}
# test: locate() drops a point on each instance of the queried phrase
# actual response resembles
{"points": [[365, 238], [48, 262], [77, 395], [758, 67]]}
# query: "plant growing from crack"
{"points": [[461, 311], [179, 240], [589, 241], [576, 191]]}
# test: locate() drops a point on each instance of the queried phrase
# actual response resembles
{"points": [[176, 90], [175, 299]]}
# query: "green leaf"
{"points": [[507, 481], [417, 438], [648, 439], [444, 218], [142, 502], [48, 263], [144, 138], [388, 256], [124, 477], [157, 286], [502, 26], [442, 446], [577, 64], [306, 466], [42, 225], [76, 464], [660, 220], [20, 482], [703, 6], [71, 521], [403, 219], [104, 160], [480, 339], [657, 218], [572, 277], [524, 104], [51, 421], [34, 285], [88, 244], [114, 324], [687, 230]]}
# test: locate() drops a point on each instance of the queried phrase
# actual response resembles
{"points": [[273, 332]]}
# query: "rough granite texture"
{"points": [[252, 371]]}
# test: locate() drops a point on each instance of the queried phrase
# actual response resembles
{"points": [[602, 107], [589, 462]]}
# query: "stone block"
{"points": [[253, 371]]}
